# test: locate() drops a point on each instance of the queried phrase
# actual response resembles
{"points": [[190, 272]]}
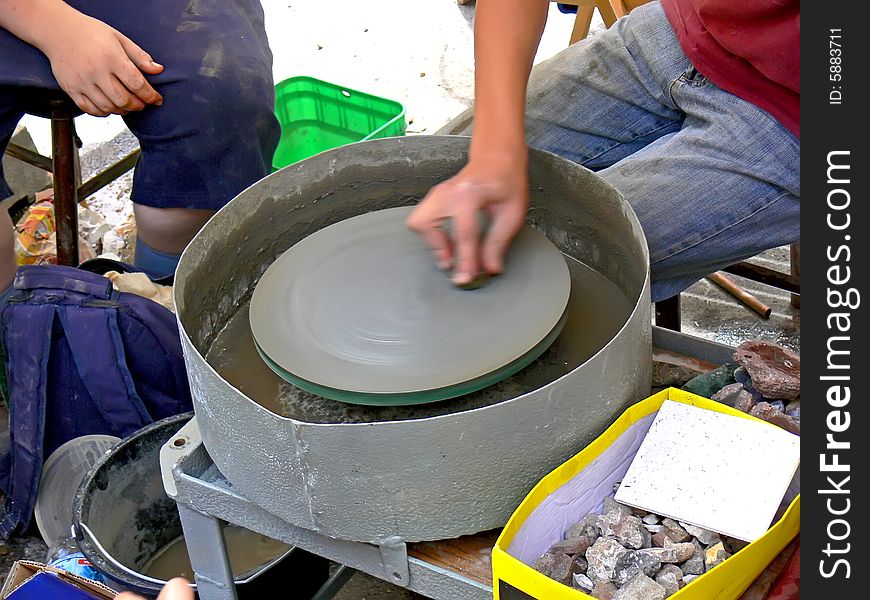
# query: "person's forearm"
{"points": [[34, 20], [506, 37]]}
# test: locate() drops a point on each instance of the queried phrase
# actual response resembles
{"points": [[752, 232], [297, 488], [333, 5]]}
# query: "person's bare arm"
{"points": [[506, 37], [97, 66]]}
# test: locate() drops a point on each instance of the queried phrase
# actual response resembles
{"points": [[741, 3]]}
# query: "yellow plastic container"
{"points": [[591, 475]]}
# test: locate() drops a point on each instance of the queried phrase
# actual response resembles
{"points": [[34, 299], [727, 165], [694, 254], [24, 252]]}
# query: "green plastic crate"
{"points": [[317, 115]]}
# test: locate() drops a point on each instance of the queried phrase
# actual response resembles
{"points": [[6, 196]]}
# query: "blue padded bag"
{"points": [[81, 358]]}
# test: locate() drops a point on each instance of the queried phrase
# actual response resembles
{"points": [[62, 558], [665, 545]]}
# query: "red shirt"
{"points": [[750, 48]]}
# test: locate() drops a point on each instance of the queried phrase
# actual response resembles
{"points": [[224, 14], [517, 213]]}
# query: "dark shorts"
{"points": [[216, 131]]}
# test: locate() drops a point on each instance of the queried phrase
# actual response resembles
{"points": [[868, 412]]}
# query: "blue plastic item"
{"points": [[45, 585], [81, 359]]}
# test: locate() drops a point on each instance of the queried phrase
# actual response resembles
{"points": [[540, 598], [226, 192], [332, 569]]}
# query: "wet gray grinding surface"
{"points": [[235, 357], [360, 306]]}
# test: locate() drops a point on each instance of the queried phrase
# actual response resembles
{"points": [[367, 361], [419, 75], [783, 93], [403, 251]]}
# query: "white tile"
{"points": [[713, 470]]}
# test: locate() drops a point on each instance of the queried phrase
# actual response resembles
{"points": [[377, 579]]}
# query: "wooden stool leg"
{"points": [[668, 313], [795, 251], [608, 15], [65, 191], [582, 21]]}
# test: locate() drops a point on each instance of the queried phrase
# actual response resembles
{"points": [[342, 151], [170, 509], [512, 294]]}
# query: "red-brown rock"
{"points": [[775, 371]]}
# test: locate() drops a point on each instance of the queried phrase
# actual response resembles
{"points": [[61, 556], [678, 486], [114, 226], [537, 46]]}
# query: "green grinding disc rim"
{"points": [[426, 396]]}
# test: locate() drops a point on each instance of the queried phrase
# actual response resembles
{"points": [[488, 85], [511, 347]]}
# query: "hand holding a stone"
{"points": [[495, 185]]}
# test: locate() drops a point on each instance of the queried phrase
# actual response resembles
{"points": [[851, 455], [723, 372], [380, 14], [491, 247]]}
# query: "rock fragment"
{"points": [[731, 394], [640, 588], [769, 413], [670, 582], [611, 505], [602, 557], [626, 528], [709, 383], [661, 538], [555, 566], [745, 404], [665, 374], [683, 550], [587, 526], [695, 565], [775, 371], [582, 582], [715, 555], [777, 405], [672, 569], [604, 590], [633, 562], [663, 555], [741, 375], [675, 531], [571, 546], [580, 565], [652, 519], [705, 536]]}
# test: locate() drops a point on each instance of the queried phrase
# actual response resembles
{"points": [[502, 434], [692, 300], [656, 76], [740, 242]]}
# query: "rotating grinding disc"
{"points": [[358, 312]]}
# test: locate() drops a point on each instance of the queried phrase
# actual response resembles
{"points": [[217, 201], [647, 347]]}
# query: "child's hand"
{"points": [[97, 66]]}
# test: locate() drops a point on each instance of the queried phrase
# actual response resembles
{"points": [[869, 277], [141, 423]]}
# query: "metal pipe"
{"points": [[108, 175], [728, 284]]}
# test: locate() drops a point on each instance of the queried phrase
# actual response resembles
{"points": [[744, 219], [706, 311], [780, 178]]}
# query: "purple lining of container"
{"points": [[582, 494], [585, 493]]}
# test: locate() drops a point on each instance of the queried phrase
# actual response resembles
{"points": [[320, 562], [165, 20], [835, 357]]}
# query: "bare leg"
{"points": [[169, 230]]}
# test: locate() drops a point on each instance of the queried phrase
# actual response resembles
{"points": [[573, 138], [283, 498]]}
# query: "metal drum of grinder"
{"points": [[358, 312], [420, 472]]}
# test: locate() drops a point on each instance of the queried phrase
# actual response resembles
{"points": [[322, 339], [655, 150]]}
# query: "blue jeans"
{"points": [[216, 131], [712, 178]]}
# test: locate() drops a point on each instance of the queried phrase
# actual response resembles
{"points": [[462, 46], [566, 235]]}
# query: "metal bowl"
{"points": [[434, 471]]}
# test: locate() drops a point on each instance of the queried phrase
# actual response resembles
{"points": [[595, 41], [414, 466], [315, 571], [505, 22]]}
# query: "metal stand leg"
{"points": [[65, 191], [668, 313], [795, 259], [334, 584], [208, 555]]}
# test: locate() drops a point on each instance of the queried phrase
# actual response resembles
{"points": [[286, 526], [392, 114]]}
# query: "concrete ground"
{"points": [[419, 53], [711, 313]]}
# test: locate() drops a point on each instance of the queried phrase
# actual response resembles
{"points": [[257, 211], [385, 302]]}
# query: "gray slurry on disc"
{"points": [[597, 310], [359, 306]]}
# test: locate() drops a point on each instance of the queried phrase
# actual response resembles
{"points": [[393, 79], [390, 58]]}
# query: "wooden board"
{"points": [[469, 556]]}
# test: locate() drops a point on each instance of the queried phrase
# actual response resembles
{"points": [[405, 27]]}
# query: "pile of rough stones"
{"points": [[767, 384], [626, 554]]}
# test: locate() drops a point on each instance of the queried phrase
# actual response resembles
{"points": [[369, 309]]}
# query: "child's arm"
{"points": [[97, 66]]}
